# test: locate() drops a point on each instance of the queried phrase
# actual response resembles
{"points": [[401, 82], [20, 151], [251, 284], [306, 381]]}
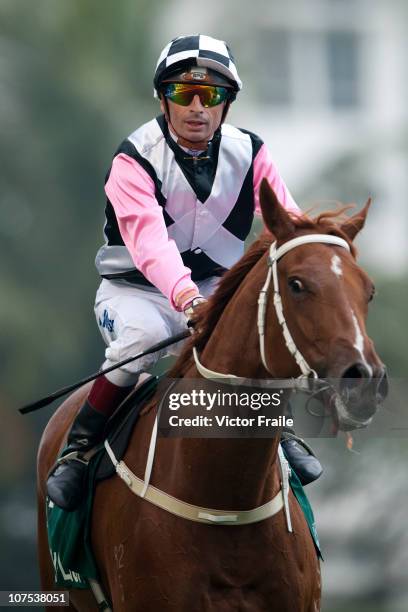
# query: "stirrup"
{"points": [[76, 455], [72, 456], [288, 435]]}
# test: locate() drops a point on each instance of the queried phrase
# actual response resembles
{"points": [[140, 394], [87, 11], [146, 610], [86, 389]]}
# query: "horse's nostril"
{"points": [[359, 386], [354, 382], [356, 375]]}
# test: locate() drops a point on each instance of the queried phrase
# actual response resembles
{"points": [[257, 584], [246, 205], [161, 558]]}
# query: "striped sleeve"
{"points": [[131, 192]]}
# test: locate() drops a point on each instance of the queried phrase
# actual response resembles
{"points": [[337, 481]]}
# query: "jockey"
{"points": [[181, 195]]}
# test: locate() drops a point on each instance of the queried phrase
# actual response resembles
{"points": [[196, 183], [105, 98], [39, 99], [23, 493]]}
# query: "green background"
{"points": [[75, 79]]}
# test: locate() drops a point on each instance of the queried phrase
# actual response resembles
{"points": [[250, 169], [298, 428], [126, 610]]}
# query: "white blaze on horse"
{"points": [[311, 324]]}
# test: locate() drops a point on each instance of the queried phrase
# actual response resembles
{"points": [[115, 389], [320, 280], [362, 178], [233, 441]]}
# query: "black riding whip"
{"points": [[53, 396]]}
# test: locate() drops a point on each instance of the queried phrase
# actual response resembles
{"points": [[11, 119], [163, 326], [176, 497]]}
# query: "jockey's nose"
{"points": [[196, 104]]}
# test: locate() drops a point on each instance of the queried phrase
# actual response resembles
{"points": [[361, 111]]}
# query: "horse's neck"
{"points": [[229, 473], [234, 348]]}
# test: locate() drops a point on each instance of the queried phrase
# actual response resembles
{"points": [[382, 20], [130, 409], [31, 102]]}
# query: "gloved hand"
{"points": [[189, 309]]}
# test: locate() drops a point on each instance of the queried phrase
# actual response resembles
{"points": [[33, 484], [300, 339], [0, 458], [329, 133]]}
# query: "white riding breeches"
{"points": [[133, 318]]}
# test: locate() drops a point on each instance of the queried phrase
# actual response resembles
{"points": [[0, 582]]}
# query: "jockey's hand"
{"points": [[189, 309]]}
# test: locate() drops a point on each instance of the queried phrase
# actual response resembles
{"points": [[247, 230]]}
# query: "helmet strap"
{"points": [[225, 113]]}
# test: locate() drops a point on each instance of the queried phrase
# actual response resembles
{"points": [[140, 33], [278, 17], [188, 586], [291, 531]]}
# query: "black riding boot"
{"points": [[66, 481], [301, 458]]}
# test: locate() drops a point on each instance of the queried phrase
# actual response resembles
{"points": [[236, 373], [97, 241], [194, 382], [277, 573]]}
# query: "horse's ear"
{"points": [[352, 226], [275, 217]]}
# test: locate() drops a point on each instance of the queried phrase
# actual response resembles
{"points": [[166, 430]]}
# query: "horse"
{"points": [[151, 560]]}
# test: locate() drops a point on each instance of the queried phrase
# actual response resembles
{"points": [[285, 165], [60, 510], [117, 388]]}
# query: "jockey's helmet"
{"points": [[212, 59]]}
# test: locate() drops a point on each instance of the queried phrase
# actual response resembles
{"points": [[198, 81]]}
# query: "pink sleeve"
{"points": [[264, 167], [131, 192]]}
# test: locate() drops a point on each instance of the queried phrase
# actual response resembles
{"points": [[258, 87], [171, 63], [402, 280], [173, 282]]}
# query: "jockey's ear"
{"points": [[352, 226], [275, 217]]}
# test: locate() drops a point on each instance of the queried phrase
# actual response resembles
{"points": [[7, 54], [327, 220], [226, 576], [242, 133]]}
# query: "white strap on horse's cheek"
{"points": [[262, 302], [277, 300], [274, 255]]}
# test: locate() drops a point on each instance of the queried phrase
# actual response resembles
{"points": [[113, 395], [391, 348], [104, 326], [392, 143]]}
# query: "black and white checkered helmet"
{"points": [[197, 50]]}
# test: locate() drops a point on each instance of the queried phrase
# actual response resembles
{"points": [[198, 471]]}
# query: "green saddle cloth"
{"points": [[69, 533], [299, 492], [69, 538]]}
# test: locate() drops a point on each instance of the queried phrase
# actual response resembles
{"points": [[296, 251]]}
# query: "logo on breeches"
{"points": [[106, 321]]}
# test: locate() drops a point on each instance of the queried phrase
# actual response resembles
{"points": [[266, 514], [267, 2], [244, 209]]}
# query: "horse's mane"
{"points": [[208, 314]]}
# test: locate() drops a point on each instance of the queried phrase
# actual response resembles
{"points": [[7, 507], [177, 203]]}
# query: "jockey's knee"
{"points": [[131, 342]]}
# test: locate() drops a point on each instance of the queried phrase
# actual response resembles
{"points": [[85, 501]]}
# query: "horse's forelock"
{"points": [[328, 222]]}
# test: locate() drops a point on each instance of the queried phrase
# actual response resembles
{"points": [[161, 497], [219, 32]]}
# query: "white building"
{"points": [[325, 86]]}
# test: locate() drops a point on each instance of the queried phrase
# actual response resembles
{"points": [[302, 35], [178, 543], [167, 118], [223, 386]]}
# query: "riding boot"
{"points": [[301, 458], [66, 482]]}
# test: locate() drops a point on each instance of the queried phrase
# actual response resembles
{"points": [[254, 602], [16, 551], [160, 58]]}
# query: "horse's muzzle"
{"points": [[361, 393]]}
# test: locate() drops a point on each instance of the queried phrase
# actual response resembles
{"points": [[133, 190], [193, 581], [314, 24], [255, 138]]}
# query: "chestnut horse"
{"points": [[153, 561]]}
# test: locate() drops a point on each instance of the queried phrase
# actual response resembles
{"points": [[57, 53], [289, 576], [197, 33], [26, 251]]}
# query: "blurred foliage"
{"points": [[75, 82], [387, 323], [76, 78]]}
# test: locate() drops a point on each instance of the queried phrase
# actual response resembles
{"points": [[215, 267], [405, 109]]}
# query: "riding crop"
{"points": [[53, 396]]}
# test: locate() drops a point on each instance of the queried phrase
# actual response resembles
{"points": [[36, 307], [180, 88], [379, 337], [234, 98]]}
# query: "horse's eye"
{"points": [[296, 285]]}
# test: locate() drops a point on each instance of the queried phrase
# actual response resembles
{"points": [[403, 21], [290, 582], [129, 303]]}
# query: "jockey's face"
{"points": [[194, 123]]}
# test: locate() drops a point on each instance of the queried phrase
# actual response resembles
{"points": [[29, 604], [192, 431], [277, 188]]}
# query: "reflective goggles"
{"points": [[183, 94]]}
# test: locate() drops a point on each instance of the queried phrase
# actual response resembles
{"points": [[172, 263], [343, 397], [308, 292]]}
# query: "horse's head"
{"points": [[325, 297]]}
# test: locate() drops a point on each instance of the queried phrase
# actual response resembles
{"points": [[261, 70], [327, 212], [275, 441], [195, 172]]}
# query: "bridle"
{"points": [[308, 381], [275, 253]]}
